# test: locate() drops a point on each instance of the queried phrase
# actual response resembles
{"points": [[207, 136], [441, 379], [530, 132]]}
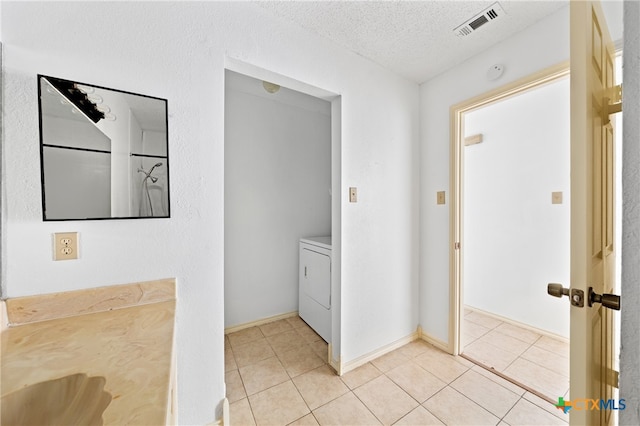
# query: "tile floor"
{"points": [[276, 375], [537, 361]]}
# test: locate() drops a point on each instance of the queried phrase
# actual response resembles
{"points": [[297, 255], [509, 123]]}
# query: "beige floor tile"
{"points": [[229, 360], [244, 336], [252, 352], [296, 321], [279, 405], [386, 400], [308, 334], [320, 386], [261, 367], [488, 394], [286, 341], [453, 408], [463, 361], [527, 413], [539, 378], [361, 375], [389, 361], [240, 413], [416, 381], [415, 348], [263, 375], [420, 416], [235, 387], [300, 360], [308, 420], [473, 330], [519, 333], [346, 410], [499, 380], [504, 342], [489, 355], [275, 327], [553, 345], [321, 348], [483, 320], [546, 405], [550, 360], [442, 365]]}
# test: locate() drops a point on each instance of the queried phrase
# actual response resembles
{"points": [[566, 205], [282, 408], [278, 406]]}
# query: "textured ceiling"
{"points": [[412, 38]]}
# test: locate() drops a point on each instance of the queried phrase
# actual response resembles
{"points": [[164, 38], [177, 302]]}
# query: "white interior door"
{"points": [[592, 377]]}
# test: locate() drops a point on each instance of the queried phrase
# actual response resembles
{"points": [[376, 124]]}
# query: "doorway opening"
{"points": [[511, 220], [282, 167]]}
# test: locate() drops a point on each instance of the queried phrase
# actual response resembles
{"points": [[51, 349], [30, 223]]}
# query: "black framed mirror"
{"points": [[103, 152]]}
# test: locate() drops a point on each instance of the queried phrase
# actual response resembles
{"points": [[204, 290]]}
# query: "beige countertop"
{"points": [[130, 346]]}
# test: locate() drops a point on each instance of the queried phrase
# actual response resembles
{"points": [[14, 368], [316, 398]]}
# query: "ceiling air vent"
{"points": [[490, 14]]}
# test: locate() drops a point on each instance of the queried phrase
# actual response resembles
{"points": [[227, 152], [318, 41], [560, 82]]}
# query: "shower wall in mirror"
{"points": [[104, 152]]}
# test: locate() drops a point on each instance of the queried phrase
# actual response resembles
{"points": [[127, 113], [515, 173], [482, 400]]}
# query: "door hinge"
{"points": [[456, 245], [612, 102], [613, 378]]}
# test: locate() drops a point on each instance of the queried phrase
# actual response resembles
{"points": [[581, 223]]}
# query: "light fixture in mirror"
{"points": [[103, 152]]}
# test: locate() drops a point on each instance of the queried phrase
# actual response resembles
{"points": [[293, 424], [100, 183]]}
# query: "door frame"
{"points": [[233, 64], [456, 170]]}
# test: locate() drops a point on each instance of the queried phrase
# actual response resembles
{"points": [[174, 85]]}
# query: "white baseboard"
{"points": [[224, 420], [334, 363], [518, 324], [262, 321], [355, 363], [440, 344]]}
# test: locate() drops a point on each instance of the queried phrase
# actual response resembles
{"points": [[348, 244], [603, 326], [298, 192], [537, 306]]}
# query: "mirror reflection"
{"points": [[104, 152]]}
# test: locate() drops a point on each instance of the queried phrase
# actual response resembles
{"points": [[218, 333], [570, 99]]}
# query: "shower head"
{"points": [[154, 166]]}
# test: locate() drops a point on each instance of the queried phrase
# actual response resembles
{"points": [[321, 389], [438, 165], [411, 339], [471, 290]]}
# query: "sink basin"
{"points": [[71, 400]]}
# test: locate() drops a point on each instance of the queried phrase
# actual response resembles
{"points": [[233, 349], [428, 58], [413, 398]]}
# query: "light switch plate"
{"points": [[65, 245], [440, 197], [353, 194], [556, 197]]}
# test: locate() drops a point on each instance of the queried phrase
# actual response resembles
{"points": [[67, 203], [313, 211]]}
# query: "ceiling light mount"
{"points": [[270, 87]]}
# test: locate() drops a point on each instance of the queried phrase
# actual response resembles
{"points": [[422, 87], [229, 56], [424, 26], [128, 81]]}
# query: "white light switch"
{"points": [[440, 197], [353, 194]]}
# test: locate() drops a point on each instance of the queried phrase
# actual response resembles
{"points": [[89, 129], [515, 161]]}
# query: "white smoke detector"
{"points": [[487, 16], [495, 72]]}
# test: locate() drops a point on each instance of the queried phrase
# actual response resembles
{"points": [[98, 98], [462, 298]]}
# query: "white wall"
{"points": [[177, 51], [515, 240], [78, 183], [630, 292], [544, 44], [277, 190], [79, 134]]}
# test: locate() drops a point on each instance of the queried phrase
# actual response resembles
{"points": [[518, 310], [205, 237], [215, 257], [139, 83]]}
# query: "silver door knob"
{"points": [[576, 296], [611, 301]]}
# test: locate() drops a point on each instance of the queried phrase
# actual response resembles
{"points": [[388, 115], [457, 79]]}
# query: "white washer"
{"points": [[315, 284]]}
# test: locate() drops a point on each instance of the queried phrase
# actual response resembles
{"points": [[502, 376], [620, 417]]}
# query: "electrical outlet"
{"points": [[440, 197], [65, 246], [556, 197]]}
